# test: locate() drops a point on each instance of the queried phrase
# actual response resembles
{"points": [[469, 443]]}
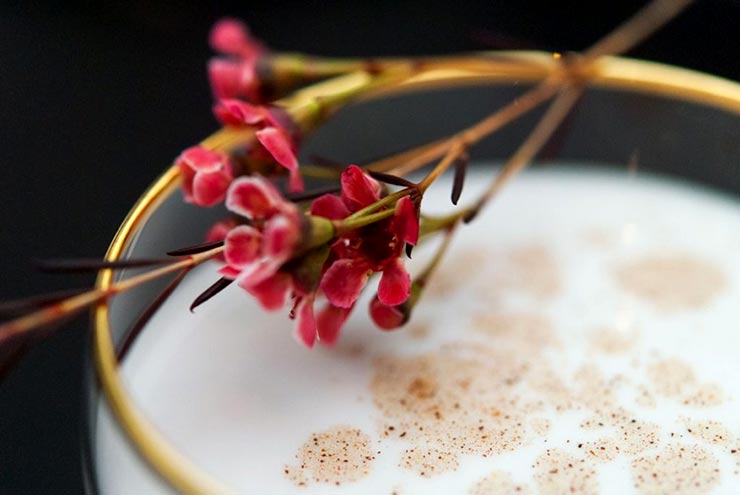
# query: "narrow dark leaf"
{"points": [[217, 287], [147, 314], [198, 248], [19, 307], [471, 216], [409, 248], [391, 179], [82, 265], [461, 166], [313, 194]]}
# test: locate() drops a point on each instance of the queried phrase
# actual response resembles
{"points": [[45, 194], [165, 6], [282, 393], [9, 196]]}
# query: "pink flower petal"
{"points": [[406, 221], [358, 188], [233, 79], [305, 322], [395, 284], [257, 272], [230, 111], [241, 246], [280, 146], [187, 175], [201, 159], [295, 181], [329, 323], [272, 292], [343, 282], [281, 233], [229, 36], [210, 189], [386, 317], [253, 197], [329, 206]]}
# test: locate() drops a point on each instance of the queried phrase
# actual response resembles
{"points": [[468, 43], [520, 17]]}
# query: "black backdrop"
{"points": [[95, 100]]}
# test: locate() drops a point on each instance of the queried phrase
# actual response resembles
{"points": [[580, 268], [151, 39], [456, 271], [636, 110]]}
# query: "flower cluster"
{"points": [[234, 73], [206, 175], [370, 249], [269, 256]]}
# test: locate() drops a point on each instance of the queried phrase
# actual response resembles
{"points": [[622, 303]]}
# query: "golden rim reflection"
{"points": [[171, 465]]}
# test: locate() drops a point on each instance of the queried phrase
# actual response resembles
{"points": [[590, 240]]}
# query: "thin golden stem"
{"points": [[405, 162], [66, 307], [304, 67], [556, 113], [413, 159], [638, 27], [455, 150]]}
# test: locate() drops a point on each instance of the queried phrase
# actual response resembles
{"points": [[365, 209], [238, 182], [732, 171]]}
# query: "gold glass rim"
{"points": [[612, 72]]}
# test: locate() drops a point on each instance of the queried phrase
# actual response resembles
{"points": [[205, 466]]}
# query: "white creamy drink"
{"points": [[581, 336]]}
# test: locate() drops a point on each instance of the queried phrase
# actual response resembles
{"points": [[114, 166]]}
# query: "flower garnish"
{"points": [[280, 250], [374, 248]]}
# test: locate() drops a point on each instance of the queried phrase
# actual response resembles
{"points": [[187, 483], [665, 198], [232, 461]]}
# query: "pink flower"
{"points": [[257, 251], [255, 254], [271, 131], [206, 175], [235, 75], [359, 254]]}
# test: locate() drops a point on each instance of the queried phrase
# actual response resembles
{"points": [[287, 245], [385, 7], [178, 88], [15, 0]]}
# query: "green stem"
{"points": [[441, 250], [348, 225], [391, 198]]}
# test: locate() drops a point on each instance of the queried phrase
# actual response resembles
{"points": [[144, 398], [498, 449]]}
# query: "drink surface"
{"points": [[580, 337]]}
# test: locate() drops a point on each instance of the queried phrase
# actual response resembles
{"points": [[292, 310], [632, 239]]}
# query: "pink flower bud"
{"points": [[232, 37], [233, 79], [386, 317]]}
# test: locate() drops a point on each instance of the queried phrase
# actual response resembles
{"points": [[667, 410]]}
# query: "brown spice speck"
{"points": [[678, 470], [557, 472], [498, 483], [339, 455]]}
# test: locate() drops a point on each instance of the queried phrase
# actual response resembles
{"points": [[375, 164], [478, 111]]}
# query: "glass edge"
{"points": [[612, 73]]}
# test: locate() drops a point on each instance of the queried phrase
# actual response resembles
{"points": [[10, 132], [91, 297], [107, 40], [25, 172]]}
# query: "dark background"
{"points": [[96, 99]]}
